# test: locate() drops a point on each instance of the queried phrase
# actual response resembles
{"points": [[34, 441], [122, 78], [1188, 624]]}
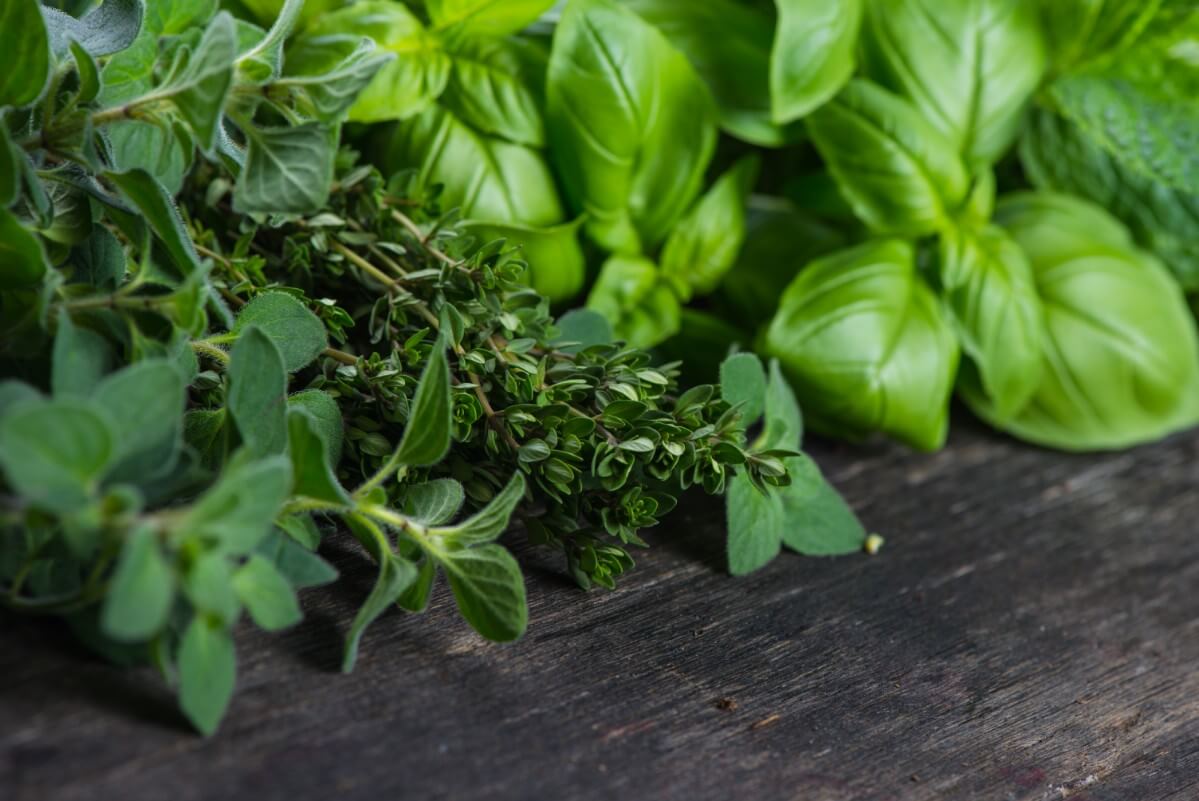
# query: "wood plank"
{"points": [[1029, 632]]}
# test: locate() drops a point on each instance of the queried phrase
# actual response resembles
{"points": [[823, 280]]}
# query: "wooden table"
{"points": [[1030, 632]]}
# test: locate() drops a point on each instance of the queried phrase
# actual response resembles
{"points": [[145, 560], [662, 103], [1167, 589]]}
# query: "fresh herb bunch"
{"points": [[181, 237], [832, 184]]}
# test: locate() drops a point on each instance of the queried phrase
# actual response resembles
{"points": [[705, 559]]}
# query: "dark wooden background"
{"points": [[1030, 632]]}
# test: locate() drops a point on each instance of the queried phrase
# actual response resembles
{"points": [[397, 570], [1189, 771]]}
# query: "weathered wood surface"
{"points": [[1030, 632]]}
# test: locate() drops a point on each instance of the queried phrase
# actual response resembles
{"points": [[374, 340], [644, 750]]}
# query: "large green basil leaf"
{"points": [[25, 57], [489, 179], [729, 45], [630, 124], [1058, 155], [867, 346], [407, 85], [969, 66], [475, 18], [633, 295], [1079, 31], [494, 87], [813, 54], [267, 11], [987, 285], [1121, 349], [705, 243], [900, 174], [557, 266]]}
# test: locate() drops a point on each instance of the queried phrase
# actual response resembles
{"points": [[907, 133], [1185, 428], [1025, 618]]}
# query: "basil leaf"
{"points": [[704, 244], [55, 452], [488, 179], [900, 174], [287, 169], [141, 592], [1080, 31], [1121, 354], [25, 59], [989, 291], [258, 392], [297, 332], [489, 590], [729, 45], [485, 17], [866, 345], [207, 672], [492, 87], [631, 126], [813, 54], [403, 87], [633, 296], [755, 526], [969, 67]]}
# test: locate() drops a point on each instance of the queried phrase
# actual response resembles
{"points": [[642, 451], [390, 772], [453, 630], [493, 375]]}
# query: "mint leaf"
{"points": [[141, 592]]}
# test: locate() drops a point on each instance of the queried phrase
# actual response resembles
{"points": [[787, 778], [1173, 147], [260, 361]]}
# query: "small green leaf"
{"points": [[395, 575], [22, 259], [312, 473], [141, 592], [287, 170], [55, 452], [81, 359], [25, 58], [258, 392], [238, 511], [557, 267], [198, 91], [434, 502], [743, 381], [267, 594], [490, 521], [582, 328], [816, 519], [755, 522], [207, 672], [209, 586], [147, 194], [427, 435], [489, 589], [326, 417], [784, 420], [416, 597], [294, 562], [296, 331]]}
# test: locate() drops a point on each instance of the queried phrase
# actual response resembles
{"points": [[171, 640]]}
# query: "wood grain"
{"points": [[1030, 632]]}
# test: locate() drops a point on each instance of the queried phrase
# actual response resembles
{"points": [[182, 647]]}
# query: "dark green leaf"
{"points": [[326, 417], [312, 473], [22, 260], [395, 575], [296, 331], [427, 435], [287, 170], [10, 170], [81, 359], [434, 502], [298, 565], [108, 29], [489, 589], [489, 522], [198, 90], [55, 452], [147, 194], [258, 392], [25, 58], [209, 586]]}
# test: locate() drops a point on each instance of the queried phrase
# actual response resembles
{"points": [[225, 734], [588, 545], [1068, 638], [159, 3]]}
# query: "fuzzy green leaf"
{"points": [[81, 359], [267, 594], [297, 332], [489, 590], [25, 58], [743, 381], [258, 392], [434, 502], [755, 522], [55, 452], [395, 575], [141, 592], [237, 512], [816, 519], [489, 522], [287, 170], [207, 672], [312, 472]]}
